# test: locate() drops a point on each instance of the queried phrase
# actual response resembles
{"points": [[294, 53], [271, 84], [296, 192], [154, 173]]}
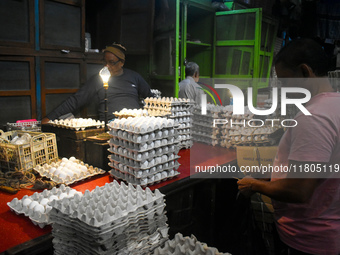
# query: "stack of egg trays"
{"points": [[177, 109], [37, 206], [186, 246], [87, 171], [67, 123], [203, 129], [113, 219], [143, 158]]}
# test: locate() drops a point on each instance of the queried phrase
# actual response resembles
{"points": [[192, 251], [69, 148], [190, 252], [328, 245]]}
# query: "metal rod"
{"points": [[106, 110]]}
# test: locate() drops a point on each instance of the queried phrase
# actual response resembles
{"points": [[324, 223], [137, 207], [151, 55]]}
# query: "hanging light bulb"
{"points": [[105, 75]]}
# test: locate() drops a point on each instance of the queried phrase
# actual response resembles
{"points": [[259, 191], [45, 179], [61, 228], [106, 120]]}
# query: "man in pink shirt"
{"points": [[306, 203]]}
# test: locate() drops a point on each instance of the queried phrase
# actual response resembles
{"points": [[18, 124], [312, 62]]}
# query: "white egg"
{"points": [[52, 170], [39, 208], [33, 204], [72, 158], [72, 192], [44, 201], [53, 197], [62, 195], [64, 160], [62, 175], [26, 202]]}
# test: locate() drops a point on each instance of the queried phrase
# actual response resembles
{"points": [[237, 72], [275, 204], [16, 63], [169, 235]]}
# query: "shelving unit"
{"points": [[42, 56], [244, 47]]}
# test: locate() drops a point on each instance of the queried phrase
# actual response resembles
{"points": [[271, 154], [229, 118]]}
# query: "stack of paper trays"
{"points": [[113, 219], [186, 246], [178, 109], [144, 150]]}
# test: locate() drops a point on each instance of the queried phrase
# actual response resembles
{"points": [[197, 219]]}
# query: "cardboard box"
{"points": [[253, 159], [255, 156]]}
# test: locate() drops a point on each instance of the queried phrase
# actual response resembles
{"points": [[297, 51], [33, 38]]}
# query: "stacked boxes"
{"points": [[113, 219], [144, 150], [178, 109]]}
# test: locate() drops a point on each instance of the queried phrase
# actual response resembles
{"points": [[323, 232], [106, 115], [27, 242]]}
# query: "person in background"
{"points": [[126, 87], [306, 203], [188, 88]]}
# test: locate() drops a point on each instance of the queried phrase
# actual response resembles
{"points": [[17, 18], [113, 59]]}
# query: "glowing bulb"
{"points": [[105, 74]]}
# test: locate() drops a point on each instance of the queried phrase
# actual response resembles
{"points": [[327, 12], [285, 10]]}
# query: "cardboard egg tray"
{"points": [[145, 164], [142, 173], [137, 138], [167, 101], [115, 143], [74, 124], [141, 125], [143, 159], [186, 245], [144, 181], [125, 113], [152, 166], [37, 207], [62, 173], [167, 150], [113, 219]]}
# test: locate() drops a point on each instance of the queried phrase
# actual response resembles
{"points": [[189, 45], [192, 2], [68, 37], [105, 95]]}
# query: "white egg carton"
{"points": [[144, 244], [37, 207], [77, 123], [113, 219], [144, 181], [142, 156], [167, 101], [142, 173], [171, 159], [131, 112], [141, 125], [68, 171], [142, 147], [137, 138], [186, 245], [117, 199]]}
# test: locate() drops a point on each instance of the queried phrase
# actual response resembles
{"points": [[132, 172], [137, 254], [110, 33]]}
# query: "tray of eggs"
{"points": [[37, 206], [77, 123], [68, 171]]}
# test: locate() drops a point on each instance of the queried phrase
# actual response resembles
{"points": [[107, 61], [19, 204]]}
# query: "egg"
{"points": [[33, 204], [53, 197], [44, 201], [72, 192], [62, 195], [52, 170], [26, 202], [39, 208]]}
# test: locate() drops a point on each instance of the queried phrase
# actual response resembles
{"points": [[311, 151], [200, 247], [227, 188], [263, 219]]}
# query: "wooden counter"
{"points": [[18, 233]]}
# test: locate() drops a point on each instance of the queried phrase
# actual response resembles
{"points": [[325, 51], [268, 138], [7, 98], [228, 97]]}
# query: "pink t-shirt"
{"points": [[313, 227]]}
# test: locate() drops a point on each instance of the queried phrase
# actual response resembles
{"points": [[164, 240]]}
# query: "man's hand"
{"points": [[245, 185]]}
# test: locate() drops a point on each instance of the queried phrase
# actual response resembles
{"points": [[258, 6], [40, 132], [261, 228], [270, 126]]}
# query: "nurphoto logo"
{"points": [[238, 105]]}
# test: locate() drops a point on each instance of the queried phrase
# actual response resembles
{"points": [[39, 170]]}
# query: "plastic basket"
{"points": [[25, 126], [41, 149]]}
